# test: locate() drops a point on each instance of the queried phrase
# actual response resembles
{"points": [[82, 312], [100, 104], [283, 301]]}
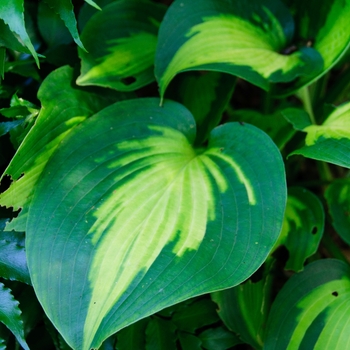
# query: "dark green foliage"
{"points": [[175, 174]]}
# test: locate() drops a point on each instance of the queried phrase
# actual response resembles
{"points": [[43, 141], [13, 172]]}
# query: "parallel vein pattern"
{"points": [[129, 218]]}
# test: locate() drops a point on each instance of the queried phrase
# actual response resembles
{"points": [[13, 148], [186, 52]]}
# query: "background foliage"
{"points": [[175, 174]]}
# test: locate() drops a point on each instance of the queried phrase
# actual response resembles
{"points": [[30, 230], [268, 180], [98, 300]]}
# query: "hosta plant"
{"points": [[174, 174]]}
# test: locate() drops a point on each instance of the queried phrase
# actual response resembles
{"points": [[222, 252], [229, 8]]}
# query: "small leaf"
{"points": [[338, 200], [312, 309], [302, 228], [93, 4], [10, 315], [218, 339], [160, 335], [12, 13], [299, 118], [64, 8], [122, 58], [200, 313], [329, 142], [242, 38], [13, 264]]}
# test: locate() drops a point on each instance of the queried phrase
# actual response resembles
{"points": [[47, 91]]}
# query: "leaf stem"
{"points": [[304, 95]]}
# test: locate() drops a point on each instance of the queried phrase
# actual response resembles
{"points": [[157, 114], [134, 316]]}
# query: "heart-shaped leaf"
{"points": [[122, 58], [312, 309], [330, 141], [247, 39], [129, 218]]}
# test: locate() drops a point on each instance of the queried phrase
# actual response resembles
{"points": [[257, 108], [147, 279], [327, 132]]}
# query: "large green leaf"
{"points": [[122, 58], [302, 228], [338, 199], [12, 13], [312, 309], [330, 141], [243, 38], [128, 218], [63, 107], [10, 315]]}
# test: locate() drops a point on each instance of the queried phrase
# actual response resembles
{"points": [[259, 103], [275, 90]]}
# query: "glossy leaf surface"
{"points": [[236, 37], [330, 141], [312, 309], [123, 57], [127, 189]]}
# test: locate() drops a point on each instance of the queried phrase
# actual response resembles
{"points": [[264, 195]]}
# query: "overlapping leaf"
{"points": [[10, 315], [123, 56], [206, 96], [323, 25], [129, 218], [312, 309], [330, 141], [63, 107], [302, 228], [246, 39], [12, 13]]}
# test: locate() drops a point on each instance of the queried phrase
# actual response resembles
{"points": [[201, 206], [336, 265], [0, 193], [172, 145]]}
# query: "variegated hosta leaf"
{"points": [[122, 58], [330, 141], [243, 38], [129, 218], [312, 309], [63, 107]]}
